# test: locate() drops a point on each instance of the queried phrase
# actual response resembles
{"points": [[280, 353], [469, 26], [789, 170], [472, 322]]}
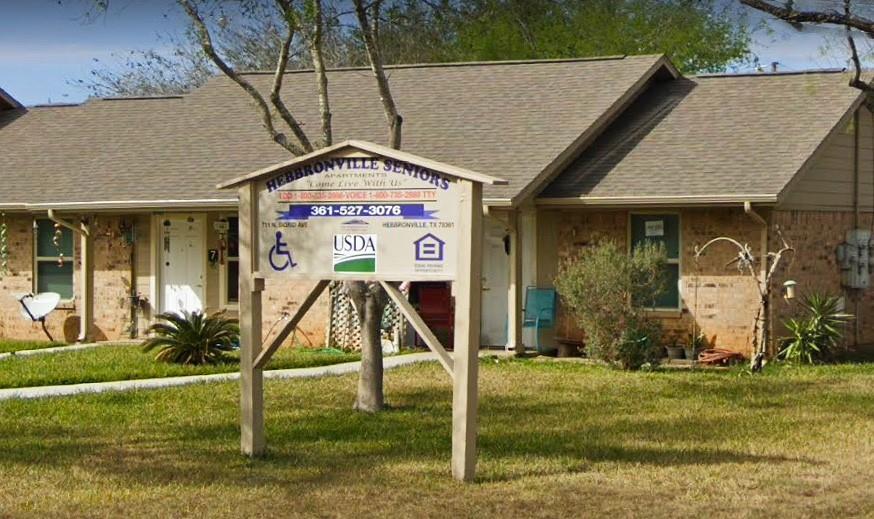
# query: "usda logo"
{"points": [[354, 253]]}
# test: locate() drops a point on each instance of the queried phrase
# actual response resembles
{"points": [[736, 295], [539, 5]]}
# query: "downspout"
{"points": [[86, 312], [856, 187], [134, 298], [857, 293], [765, 332]]}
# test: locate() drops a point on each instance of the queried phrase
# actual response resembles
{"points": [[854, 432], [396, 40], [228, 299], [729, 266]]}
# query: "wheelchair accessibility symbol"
{"points": [[280, 257]]}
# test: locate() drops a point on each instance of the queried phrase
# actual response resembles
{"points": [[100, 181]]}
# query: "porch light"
{"points": [[789, 289]]}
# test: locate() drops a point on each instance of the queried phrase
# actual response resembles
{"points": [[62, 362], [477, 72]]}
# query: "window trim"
{"points": [[224, 304], [64, 302], [670, 310]]}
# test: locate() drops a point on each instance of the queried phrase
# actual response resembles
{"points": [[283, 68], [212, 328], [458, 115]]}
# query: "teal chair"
{"points": [[539, 311]]}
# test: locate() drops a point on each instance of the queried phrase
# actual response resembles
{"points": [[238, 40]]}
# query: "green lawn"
{"points": [[110, 362], [7, 345], [556, 440]]}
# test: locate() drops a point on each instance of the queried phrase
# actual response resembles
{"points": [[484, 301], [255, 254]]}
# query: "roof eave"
{"points": [[497, 202], [658, 201], [133, 205]]}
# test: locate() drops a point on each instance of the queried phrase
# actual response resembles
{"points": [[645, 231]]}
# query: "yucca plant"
{"points": [[815, 336], [192, 337]]}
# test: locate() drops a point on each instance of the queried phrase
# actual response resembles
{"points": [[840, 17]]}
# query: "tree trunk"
{"points": [[369, 300], [758, 361]]}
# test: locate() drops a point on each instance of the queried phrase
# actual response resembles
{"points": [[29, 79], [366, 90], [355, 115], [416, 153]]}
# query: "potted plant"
{"points": [[675, 350], [695, 345]]}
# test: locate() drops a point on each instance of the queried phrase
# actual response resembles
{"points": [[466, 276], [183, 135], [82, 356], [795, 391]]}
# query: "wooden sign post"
{"points": [[364, 212]]}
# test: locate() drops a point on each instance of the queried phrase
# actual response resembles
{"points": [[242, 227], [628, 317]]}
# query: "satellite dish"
{"points": [[37, 307]]}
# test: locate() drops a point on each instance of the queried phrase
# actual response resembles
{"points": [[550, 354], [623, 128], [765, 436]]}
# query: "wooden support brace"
{"points": [[270, 349], [421, 328]]}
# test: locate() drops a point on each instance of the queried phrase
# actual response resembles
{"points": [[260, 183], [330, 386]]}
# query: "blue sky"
{"points": [[45, 44]]}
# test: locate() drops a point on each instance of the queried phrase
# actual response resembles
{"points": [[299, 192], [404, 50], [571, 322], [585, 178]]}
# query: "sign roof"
{"points": [[369, 147]]}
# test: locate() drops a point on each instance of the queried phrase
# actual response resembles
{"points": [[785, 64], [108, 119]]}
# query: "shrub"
{"points": [[815, 336], [640, 345], [607, 290], [192, 337]]}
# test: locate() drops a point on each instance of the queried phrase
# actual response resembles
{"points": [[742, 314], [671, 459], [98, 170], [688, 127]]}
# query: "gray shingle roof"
{"points": [[509, 120], [710, 136]]}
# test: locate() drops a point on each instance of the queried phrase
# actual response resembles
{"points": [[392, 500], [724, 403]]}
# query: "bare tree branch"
{"points": [[788, 13], [209, 50], [369, 24], [278, 75], [314, 36], [769, 262], [856, 81]]}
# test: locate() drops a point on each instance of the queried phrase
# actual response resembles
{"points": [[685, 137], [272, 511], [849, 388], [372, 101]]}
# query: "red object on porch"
{"points": [[435, 306], [720, 357]]}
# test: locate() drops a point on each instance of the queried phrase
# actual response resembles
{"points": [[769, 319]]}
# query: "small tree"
{"points": [[608, 291], [747, 262]]}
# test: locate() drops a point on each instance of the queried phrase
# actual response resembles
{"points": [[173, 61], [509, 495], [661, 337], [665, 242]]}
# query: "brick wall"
{"points": [[284, 296], [815, 235], [717, 300], [112, 278]]}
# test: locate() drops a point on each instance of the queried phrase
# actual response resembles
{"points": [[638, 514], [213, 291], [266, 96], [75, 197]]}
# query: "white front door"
{"points": [[182, 263], [496, 282]]}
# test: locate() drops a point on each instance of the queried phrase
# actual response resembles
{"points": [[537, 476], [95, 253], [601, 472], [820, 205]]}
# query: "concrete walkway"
{"points": [[63, 349], [157, 383]]}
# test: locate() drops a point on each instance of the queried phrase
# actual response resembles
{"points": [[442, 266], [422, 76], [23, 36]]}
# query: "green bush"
{"points": [[607, 290], [815, 336], [640, 345], [192, 337]]}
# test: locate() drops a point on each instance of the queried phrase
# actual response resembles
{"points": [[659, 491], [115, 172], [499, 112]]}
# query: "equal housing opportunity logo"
{"points": [[354, 253]]}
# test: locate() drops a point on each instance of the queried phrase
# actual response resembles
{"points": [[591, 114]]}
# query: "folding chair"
{"points": [[539, 311]]}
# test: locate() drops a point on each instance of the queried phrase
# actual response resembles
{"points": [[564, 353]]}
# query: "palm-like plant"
{"points": [[192, 337], [815, 336]]}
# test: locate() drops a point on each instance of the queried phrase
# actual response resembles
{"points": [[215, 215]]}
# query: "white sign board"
{"points": [[358, 217], [654, 228]]}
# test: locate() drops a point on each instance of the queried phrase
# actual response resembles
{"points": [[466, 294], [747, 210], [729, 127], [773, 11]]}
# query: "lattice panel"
{"points": [[344, 332]]}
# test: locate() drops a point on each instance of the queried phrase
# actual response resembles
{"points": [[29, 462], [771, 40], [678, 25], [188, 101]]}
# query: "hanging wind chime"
{"points": [[56, 241]]}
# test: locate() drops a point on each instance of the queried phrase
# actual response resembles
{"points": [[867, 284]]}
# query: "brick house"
{"points": [[618, 148]]}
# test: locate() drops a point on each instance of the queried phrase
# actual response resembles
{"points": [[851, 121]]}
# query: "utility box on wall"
{"points": [[854, 257]]}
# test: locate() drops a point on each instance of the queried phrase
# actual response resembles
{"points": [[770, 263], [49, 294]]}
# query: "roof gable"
{"points": [[7, 102], [709, 139]]}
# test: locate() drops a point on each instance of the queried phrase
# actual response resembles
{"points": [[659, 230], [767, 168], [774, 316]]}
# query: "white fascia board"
{"points": [[217, 203], [637, 201]]}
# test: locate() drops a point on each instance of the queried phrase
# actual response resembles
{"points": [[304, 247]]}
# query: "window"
{"points": [[664, 229], [232, 263], [51, 273]]}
